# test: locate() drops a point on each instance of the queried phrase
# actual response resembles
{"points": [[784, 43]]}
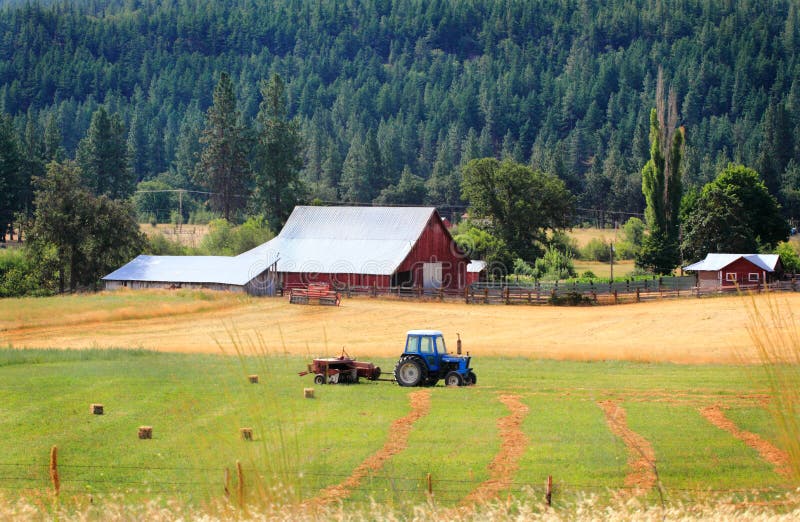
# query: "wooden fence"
{"points": [[618, 292]]}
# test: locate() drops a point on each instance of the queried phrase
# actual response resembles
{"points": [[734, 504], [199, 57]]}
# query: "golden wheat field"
{"points": [[687, 330]]}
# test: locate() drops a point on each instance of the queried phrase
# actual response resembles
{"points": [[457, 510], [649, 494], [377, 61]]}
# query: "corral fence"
{"points": [[573, 293]]}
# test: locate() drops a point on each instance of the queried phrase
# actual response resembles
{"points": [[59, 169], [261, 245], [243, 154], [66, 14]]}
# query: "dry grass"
{"points": [[584, 235], [690, 330], [526, 508], [775, 334]]}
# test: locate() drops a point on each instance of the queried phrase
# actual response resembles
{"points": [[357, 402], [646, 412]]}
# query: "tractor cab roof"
{"points": [[425, 332]]}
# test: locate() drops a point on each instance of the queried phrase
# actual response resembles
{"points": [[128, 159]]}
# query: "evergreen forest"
{"points": [[393, 97]]}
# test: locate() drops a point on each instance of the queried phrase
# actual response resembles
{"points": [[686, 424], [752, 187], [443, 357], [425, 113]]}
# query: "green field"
{"points": [[196, 405]]}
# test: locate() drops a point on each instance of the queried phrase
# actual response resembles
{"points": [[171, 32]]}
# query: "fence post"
{"points": [[441, 293], [486, 295], [615, 297], [548, 496], [430, 484], [637, 294], [54, 470], [508, 295]]}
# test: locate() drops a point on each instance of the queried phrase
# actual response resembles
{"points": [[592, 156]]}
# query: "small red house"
{"points": [[731, 270], [381, 247]]}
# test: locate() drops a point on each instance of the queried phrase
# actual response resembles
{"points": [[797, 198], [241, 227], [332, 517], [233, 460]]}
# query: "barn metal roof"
{"points": [[476, 266], [192, 269], [714, 262], [346, 240]]}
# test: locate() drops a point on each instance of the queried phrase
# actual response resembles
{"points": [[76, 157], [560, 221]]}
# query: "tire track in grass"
{"points": [[641, 475], [395, 443], [768, 452], [506, 463]]}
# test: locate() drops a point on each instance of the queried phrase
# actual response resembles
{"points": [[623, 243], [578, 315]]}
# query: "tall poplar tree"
{"points": [[103, 157], [223, 168], [279, 155], [662, 187]]}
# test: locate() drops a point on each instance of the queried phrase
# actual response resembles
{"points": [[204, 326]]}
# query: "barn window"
{"points": [[730, 276], [752, 277]]}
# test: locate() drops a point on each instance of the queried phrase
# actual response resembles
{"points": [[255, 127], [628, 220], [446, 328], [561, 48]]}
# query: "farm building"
{"points": [[731, 270], [476, 271], [255, 275], [381, 247]]}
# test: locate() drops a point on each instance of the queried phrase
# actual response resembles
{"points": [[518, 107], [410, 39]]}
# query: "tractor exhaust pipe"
{"points": [[458, 344]]}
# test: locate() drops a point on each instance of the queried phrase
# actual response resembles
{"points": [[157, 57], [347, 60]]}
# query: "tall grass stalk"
{"points": [[275, 434], [774, 330]]}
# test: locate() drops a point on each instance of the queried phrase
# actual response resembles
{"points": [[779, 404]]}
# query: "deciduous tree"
{"points": [[516, 203]]}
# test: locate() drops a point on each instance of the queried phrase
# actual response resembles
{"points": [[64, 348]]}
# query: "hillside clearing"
{"points": [[690, 330]]}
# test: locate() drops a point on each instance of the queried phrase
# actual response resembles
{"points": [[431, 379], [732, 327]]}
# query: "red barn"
{"points": [[730, 270], [366, 246]]}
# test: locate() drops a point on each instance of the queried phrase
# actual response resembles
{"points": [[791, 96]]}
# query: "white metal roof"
{"points": [[476, 266], [192, 269], [346, 240], [424, 332], [714, 262]]}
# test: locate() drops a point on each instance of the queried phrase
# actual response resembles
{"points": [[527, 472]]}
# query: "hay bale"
{"points": [[145, 432], [253, 379], [308, 393], [247, 433], [96, 409]]}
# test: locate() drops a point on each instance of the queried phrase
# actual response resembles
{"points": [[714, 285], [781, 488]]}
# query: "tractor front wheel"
{"points": [[319, 379], [453, 379], [472, 379], [410, 372]]}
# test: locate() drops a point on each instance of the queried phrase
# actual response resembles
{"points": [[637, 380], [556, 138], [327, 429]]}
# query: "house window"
{"points": [[730, 276], [752, 277]]}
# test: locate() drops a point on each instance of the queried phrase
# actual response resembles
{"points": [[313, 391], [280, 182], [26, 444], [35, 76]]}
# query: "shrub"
{"points": [[789, 257], [596, 250], [569, 299]]}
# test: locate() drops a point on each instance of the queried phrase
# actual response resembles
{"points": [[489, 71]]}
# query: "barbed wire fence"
{"points": [[190, 481]]}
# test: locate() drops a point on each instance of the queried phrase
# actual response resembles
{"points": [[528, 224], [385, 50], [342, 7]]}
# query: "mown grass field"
{"points": [[197, 403]]}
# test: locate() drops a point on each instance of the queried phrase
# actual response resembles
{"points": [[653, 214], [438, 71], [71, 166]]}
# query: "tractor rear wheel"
{"points": [[472, 379], [410, 372], [319, 379], [453, 379]]}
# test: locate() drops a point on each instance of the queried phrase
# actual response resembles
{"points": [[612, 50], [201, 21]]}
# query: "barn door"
{"points": [[432, 275]]}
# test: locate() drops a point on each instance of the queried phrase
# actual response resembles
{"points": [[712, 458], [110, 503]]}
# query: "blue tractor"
{"points": [[425, 360]]}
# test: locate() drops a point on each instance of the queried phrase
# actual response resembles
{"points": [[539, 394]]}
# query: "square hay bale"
{"points": [[308, 393], [96, 409], [145, 432], [247, 433], [253, 379]]}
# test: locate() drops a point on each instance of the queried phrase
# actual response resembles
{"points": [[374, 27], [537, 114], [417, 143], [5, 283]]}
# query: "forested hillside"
{"points": [[393, 96]]}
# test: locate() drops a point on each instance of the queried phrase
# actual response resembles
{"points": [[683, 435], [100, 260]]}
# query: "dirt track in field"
{"points": [[397, 441], [690, 330], [768, 452], [641, 475], [506, 463]]}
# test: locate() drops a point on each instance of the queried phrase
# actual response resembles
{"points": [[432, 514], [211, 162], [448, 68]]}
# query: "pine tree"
{"points": [[223, 168], [279, 156], [103, 157]]}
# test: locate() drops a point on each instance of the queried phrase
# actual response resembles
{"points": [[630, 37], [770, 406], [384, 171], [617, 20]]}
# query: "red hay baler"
{"points": [[341, 370]]}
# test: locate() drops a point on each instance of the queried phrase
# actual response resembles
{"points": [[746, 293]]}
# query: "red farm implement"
{"points": [[341, 370], [318, 293]]}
